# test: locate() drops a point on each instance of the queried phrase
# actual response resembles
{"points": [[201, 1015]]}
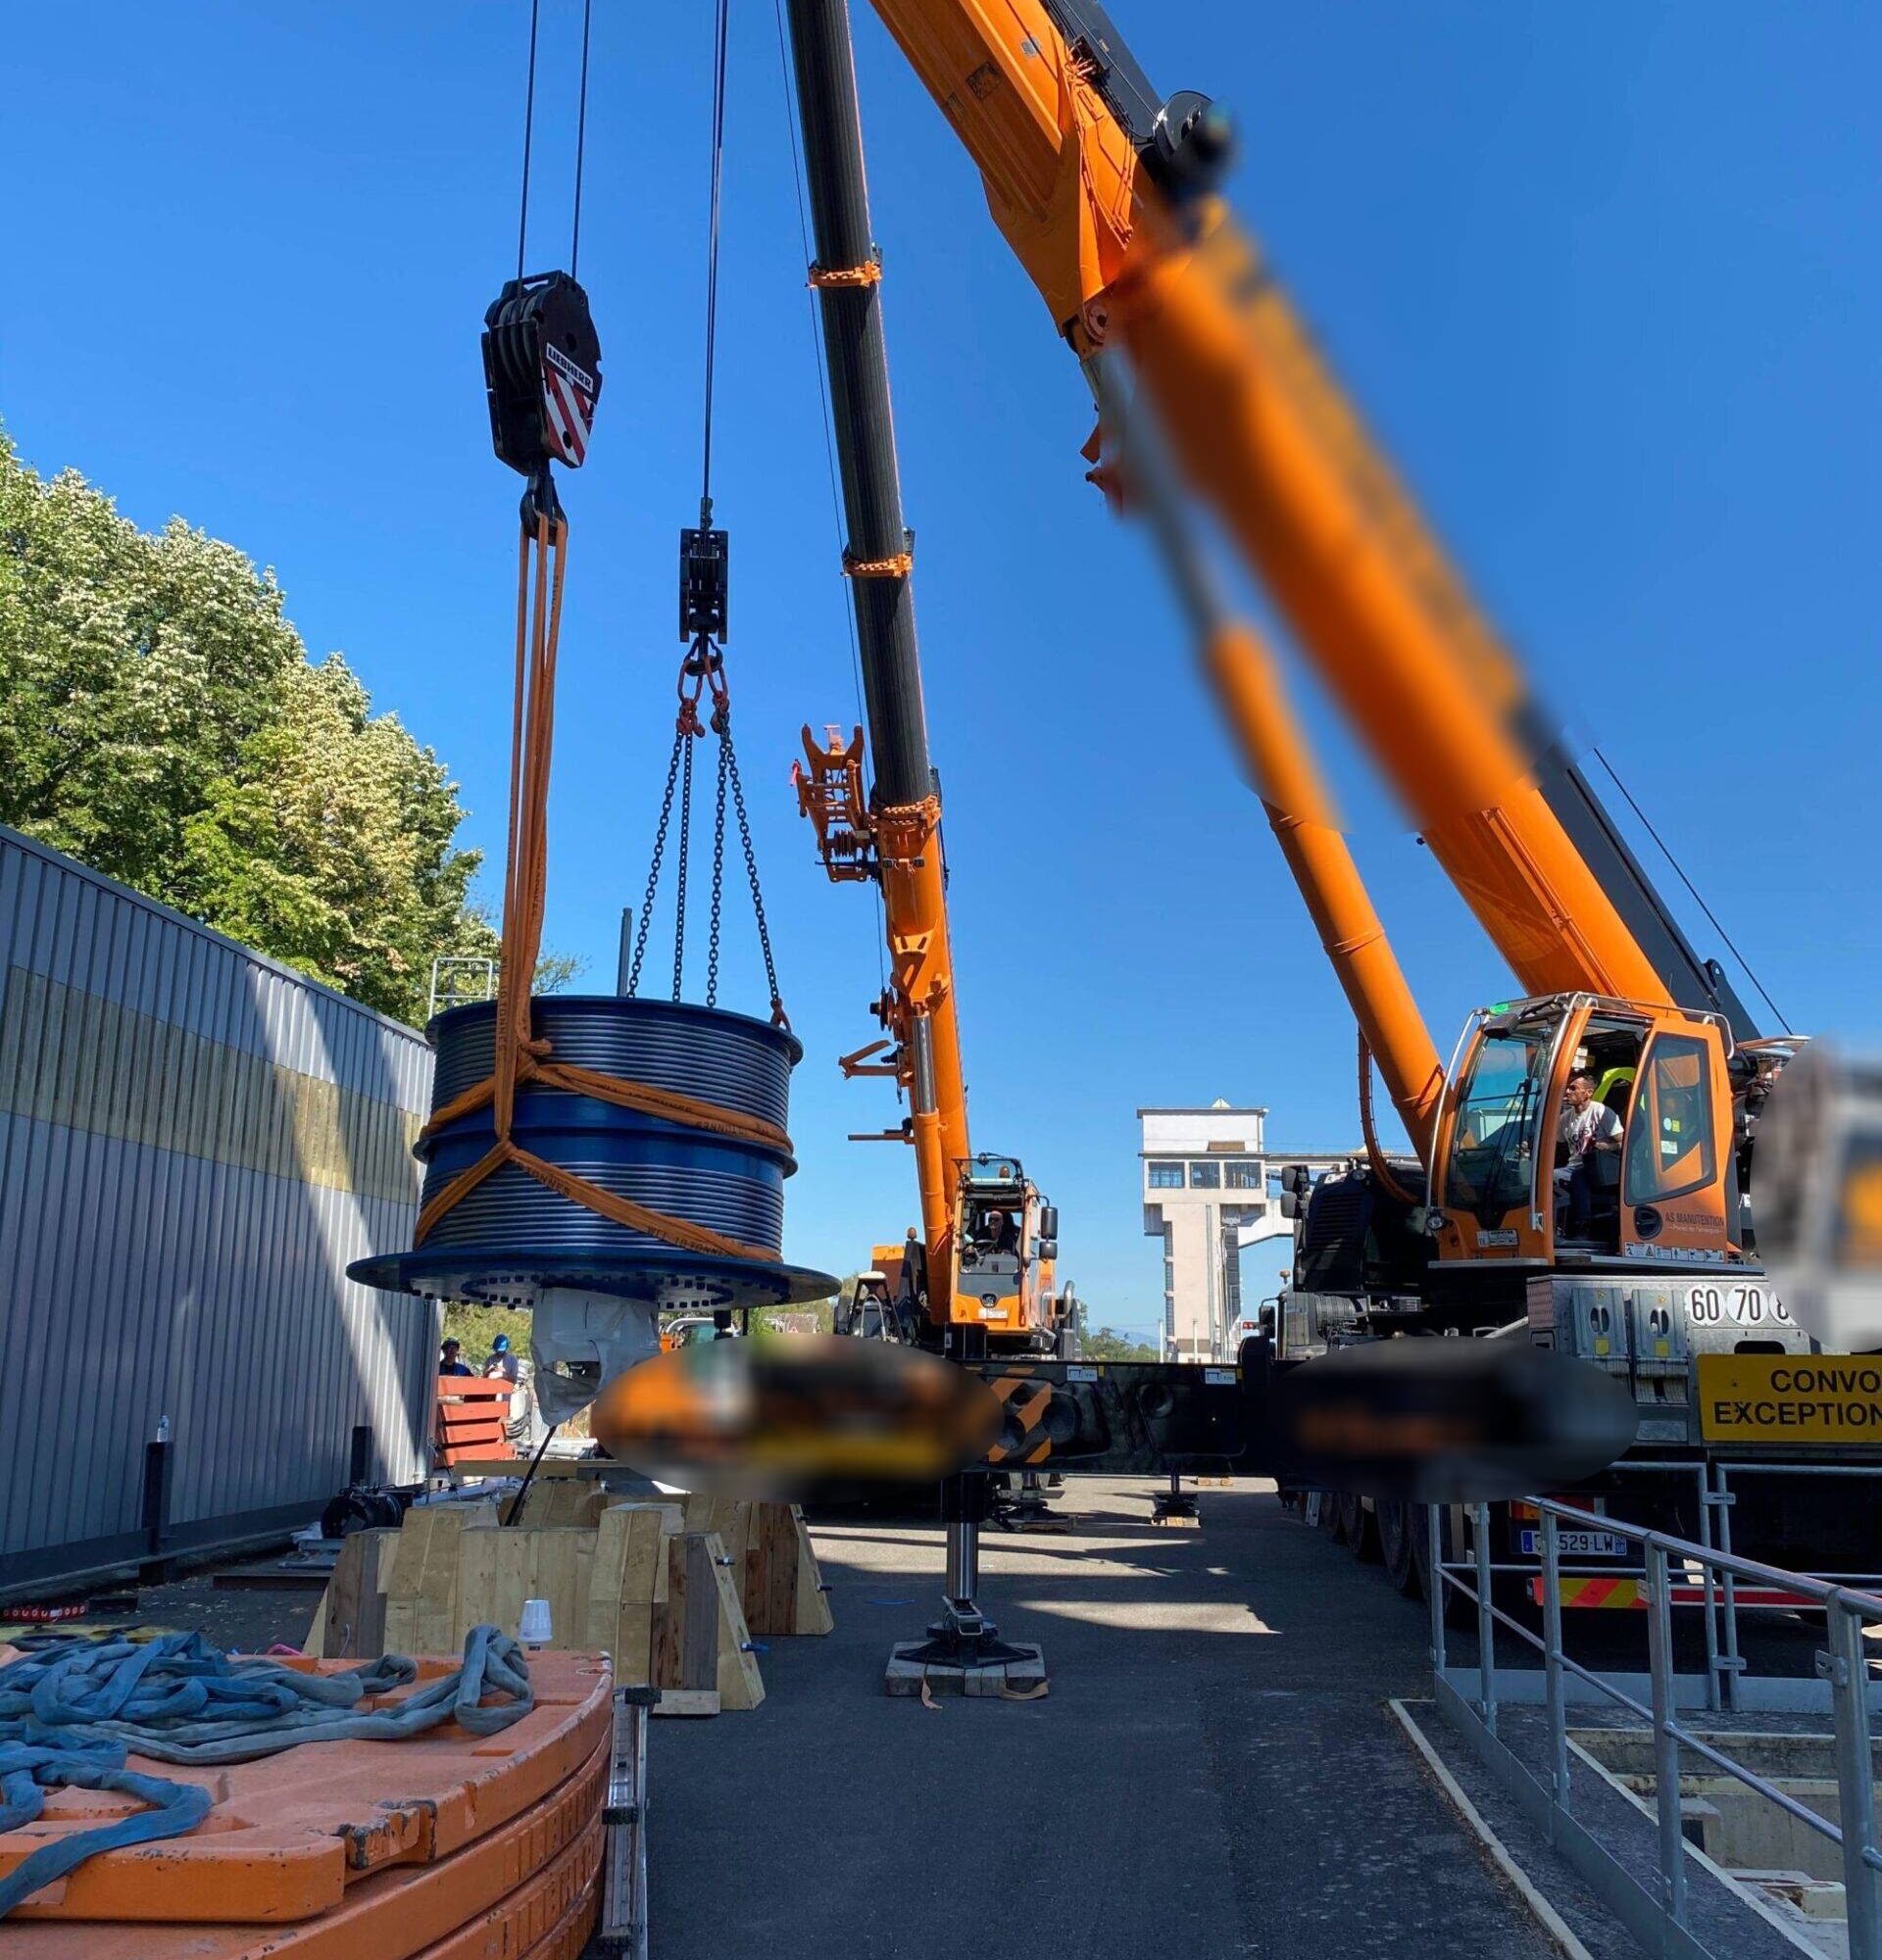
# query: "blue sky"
{"points": [[1603, 279]]}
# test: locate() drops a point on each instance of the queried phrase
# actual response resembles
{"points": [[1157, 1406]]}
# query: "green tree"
{"points": [[1106, 1344], [159, 721]]}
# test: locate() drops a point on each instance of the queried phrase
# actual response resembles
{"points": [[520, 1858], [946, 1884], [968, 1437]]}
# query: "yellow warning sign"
{"points": [[1789, 1398]]}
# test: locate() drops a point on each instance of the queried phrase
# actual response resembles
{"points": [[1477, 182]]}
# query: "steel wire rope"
{"points": [[520, 1056], [1679, 871]]}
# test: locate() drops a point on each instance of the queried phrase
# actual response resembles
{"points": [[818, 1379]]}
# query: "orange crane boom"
{"points": [[1100, 186]]}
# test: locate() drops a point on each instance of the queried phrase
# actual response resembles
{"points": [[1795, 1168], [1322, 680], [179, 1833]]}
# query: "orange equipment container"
{"points": [[311, 1833], [520, 1892], [471, 1420]]}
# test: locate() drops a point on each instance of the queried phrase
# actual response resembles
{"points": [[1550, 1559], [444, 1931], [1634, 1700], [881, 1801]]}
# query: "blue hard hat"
{"points": [[501, 1345]]}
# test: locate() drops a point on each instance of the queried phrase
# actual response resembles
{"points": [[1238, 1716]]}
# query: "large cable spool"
{"points": [[595, 1284], [512, 1236]]}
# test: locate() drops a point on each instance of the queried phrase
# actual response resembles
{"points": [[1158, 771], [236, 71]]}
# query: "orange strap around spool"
{"points": [[521, 1054]]}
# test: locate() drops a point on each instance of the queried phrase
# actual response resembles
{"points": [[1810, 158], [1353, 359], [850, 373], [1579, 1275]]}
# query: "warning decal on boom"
{"points": [[1789, 1398]]}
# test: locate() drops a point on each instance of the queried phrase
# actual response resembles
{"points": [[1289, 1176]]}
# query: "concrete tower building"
{"points": [[1211, 1189]]}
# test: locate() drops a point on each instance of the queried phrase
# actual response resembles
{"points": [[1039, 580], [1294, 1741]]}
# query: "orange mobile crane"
{"points": [[1640, 1258], [977, 1278]]}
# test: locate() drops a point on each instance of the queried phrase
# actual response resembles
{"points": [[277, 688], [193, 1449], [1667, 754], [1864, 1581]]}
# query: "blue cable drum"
{"points": [[512, 1236]]}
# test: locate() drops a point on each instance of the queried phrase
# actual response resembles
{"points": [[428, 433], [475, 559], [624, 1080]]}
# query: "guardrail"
{"points": [[1714, 1592], [1659, 1923]]}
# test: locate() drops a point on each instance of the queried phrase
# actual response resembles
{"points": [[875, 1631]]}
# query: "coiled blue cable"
{"points": [[71, 1713]]}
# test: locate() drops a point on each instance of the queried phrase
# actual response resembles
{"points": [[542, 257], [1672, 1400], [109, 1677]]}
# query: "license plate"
{"points": [[1574, 1545]]}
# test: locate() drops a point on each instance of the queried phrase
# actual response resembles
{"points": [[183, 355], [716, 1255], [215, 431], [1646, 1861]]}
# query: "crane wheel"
{"points": [[1330, 1522], [1394, 1520], [1359, 1529]]}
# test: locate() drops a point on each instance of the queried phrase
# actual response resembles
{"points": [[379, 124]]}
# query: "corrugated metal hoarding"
{"points": [[194, 1142]]}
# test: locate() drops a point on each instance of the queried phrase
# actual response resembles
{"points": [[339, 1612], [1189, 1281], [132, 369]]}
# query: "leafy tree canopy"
{"points": [[159, 721], [1108, 1344]]}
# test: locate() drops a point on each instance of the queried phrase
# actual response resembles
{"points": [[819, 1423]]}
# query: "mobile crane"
{"points": [[977, 1278], [1106, 191]]}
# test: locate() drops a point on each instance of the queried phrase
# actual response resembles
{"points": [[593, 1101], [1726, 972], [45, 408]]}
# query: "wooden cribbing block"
{"points": [[740, 1684], [499, 1568], [810, 1601], [562, 1500], [687, 1701], [768, 1576], [422, 1595], [686, 1622], [780, 1586], [671, 1514], [629, 1568], [354, 1623]]}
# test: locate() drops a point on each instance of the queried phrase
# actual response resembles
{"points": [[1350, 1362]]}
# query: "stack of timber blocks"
{"points": [[674, 1591]]}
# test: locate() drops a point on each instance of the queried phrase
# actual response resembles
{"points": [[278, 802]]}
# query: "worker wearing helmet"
{"points": [[502, 1361]]}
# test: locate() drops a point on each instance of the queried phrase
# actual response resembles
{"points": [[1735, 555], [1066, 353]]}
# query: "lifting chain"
{"points": [[720, 725], [701, 674], [704, 589]]}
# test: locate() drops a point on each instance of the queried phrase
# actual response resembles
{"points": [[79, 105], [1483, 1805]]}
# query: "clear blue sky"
{"points": [[1604, 278]]}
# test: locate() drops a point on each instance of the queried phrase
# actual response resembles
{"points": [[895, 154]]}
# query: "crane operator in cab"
{"points": [[1587, 1126]]}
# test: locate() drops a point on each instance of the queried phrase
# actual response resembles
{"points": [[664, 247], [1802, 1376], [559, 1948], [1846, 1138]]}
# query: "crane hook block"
{"points": [[705, 584], [542, 365]]}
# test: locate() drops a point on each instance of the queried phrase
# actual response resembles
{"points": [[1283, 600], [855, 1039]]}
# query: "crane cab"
{"points": [[1006, 1242], [1580, 1130]]}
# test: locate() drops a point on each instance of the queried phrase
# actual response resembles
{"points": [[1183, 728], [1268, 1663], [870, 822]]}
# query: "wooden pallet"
{"points": [[471, 1421]]}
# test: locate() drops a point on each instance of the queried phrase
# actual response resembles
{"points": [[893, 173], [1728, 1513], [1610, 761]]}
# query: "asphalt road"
{"points": [[1215, 1771]]}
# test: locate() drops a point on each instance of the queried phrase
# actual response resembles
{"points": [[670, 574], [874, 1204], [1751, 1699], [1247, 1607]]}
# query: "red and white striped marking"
{"points": [[1627, 1592], [568, 401]]}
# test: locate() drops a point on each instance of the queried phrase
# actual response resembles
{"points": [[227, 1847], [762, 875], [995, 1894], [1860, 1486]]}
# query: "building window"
{"points": [[1169, 1275], [1205, 1176], [1245, 1174], [1166, 1177]]}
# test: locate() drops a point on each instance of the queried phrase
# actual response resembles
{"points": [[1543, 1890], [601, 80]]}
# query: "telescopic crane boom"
{"points": [[1101, 187], [983, 1269]]}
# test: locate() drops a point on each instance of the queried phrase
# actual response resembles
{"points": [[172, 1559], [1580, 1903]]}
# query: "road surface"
{"points": [[1215, 1771]]}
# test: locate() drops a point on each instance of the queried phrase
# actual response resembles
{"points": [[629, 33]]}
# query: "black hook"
{"points": [[539, 500]]}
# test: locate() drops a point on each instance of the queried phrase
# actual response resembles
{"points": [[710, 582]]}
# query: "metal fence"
{"points": [[1714, 1594], [1842, 1667], [195, 1142]]}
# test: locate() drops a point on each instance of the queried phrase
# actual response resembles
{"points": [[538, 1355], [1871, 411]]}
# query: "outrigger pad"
{"points": [[1008, 1669]]}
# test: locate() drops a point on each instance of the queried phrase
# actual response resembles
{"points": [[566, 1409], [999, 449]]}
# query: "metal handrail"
{"points": [[1844, 1666], [1869, 1604]]}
